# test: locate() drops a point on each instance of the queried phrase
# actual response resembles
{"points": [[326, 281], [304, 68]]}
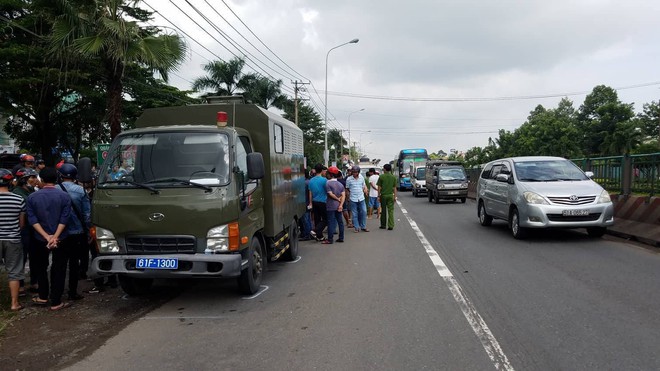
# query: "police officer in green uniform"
{"points": [[386, 197]]}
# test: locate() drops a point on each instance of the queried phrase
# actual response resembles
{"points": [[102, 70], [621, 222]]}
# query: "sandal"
{"points": [[39, 302], [59, 307]]}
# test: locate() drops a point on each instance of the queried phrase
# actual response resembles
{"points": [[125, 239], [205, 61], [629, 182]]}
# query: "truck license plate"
{"points": [[156, 263], [575, 212]]}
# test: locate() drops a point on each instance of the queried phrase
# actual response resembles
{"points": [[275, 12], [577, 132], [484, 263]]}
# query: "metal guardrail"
{"points": [[624, 175], [627, 174]]}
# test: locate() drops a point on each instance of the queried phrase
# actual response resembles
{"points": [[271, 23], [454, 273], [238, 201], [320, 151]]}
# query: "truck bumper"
{"points": [[190, 265]]}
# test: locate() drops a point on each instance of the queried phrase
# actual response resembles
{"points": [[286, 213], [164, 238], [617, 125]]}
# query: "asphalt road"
{"points": [[440, 293]]}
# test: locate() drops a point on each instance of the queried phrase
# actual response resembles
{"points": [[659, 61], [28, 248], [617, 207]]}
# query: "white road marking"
{"points": [[479, 326], [295, 261], [185, 317], [262, 289]]}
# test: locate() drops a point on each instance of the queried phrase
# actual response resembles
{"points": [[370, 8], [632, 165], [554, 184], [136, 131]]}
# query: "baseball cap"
{"points": [[333, 170]]}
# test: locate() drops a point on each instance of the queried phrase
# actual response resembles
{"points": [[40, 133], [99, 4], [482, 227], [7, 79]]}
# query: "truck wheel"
{"points": [[250, 278], [292, 252], [517, 231], [135, 286], [484, 219]]}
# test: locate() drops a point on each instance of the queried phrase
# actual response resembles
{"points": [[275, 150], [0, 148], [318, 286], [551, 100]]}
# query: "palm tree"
{"points": [[223, 77], [626, 136], [101, 30], [262, 91]]}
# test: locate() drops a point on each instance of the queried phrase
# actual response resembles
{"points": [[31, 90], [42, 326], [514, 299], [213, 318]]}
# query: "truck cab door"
{"points": [[251, 200]]}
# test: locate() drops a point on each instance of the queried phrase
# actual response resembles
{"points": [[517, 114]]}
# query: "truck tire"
{"points": [[135, 286], [250, 278], [291, 253]]}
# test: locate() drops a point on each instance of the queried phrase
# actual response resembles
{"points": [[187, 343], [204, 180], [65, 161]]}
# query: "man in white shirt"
{"points": [[373, 193]]}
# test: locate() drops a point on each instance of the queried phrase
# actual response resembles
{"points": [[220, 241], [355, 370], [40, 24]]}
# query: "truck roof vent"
{"points": [[215, 99]]}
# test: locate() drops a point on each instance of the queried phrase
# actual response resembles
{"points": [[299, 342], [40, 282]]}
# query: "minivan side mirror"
{"points": [[255, 165], [589, 174], [502, 178]]}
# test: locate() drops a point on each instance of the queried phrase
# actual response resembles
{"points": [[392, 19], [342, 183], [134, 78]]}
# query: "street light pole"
{"points": [[325, 151], [349, 131]]}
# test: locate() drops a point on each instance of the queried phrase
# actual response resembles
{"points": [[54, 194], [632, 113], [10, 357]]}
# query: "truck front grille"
{"points": [[160, 244]]}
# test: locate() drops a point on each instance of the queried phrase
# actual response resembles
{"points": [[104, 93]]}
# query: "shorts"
{"points": [[12, 252], [373, 202]]}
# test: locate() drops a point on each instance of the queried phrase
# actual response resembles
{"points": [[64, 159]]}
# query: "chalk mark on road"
{"points": [[295, 261], [479, 326]]}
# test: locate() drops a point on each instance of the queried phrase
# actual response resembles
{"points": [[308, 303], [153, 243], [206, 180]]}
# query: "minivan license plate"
{"points": [[575, 212], [156, 263]]}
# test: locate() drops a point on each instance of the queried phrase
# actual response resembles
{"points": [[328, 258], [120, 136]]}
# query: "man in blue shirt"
{"points": [[48, 211], [79, 223], [319, 195]]}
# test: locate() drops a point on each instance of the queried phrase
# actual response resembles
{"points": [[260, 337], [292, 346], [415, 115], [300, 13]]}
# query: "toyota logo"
{"points": [[156, 217], [573, 198]]}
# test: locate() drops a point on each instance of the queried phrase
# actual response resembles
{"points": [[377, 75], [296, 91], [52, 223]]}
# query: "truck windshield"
{"points": [[172, 159]]}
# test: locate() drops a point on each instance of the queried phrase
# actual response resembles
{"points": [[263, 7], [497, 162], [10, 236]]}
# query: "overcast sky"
{"points": [[433, 74]]}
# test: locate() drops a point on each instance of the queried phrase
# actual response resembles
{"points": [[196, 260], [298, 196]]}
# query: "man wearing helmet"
{"points": [[78, 224], [26, 161], [12, 219], [26, 181]]}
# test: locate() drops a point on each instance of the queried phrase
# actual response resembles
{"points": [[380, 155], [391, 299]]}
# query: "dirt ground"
{"points": [[38, 339]]}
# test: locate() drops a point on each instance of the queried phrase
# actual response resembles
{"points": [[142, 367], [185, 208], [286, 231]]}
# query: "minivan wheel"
{"points": [[484, 219], [462, 200], [596, 232], [437, 198], [517, 231], [430, 196]]}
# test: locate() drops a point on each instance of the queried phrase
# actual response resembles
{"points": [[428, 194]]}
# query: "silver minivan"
{"points": [[542, 192]]}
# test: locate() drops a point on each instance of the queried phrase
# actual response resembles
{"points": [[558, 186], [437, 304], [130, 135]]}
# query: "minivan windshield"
{"points": [[167, 159], [548, 171], [421, 173]]}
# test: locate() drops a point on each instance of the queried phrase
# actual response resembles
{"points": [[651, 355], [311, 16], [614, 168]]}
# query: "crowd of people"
{"points": [[336, 202], [45, 219]]}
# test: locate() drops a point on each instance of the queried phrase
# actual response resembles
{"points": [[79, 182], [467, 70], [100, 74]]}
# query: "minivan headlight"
{"points": [[441, 186], [534, 198], [604, 197], [105, 241]]}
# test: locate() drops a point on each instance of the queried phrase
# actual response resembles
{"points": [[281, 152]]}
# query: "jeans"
{"points": [[305, 225], [335, 219], [359, 211]]}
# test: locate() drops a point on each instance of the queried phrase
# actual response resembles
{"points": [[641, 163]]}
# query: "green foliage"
{"points": [[262, 91], [223, 77]]}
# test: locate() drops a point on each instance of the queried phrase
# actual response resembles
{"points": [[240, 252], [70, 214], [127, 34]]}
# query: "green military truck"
{"points": [[210, 190]]}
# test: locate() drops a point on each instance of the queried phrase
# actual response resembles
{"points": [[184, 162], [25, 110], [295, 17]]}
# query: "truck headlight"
{"points": [[604, 197], [105, 241], [217, 240], [534, 198]]}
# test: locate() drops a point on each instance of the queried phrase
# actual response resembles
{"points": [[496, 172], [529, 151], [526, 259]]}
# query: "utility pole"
{"points": [[295, 99]]}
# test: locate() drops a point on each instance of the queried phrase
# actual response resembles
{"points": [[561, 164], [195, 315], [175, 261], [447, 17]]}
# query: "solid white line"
{"points": [[479, 326], [186, 317]]}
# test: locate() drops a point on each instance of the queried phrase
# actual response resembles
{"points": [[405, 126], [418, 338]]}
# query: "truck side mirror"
{"points": [[255, 165], [85, 170]]}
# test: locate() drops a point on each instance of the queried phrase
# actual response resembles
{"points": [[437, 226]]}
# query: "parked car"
{"points": [[446, 180], [418, 181], [542, 192]]}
